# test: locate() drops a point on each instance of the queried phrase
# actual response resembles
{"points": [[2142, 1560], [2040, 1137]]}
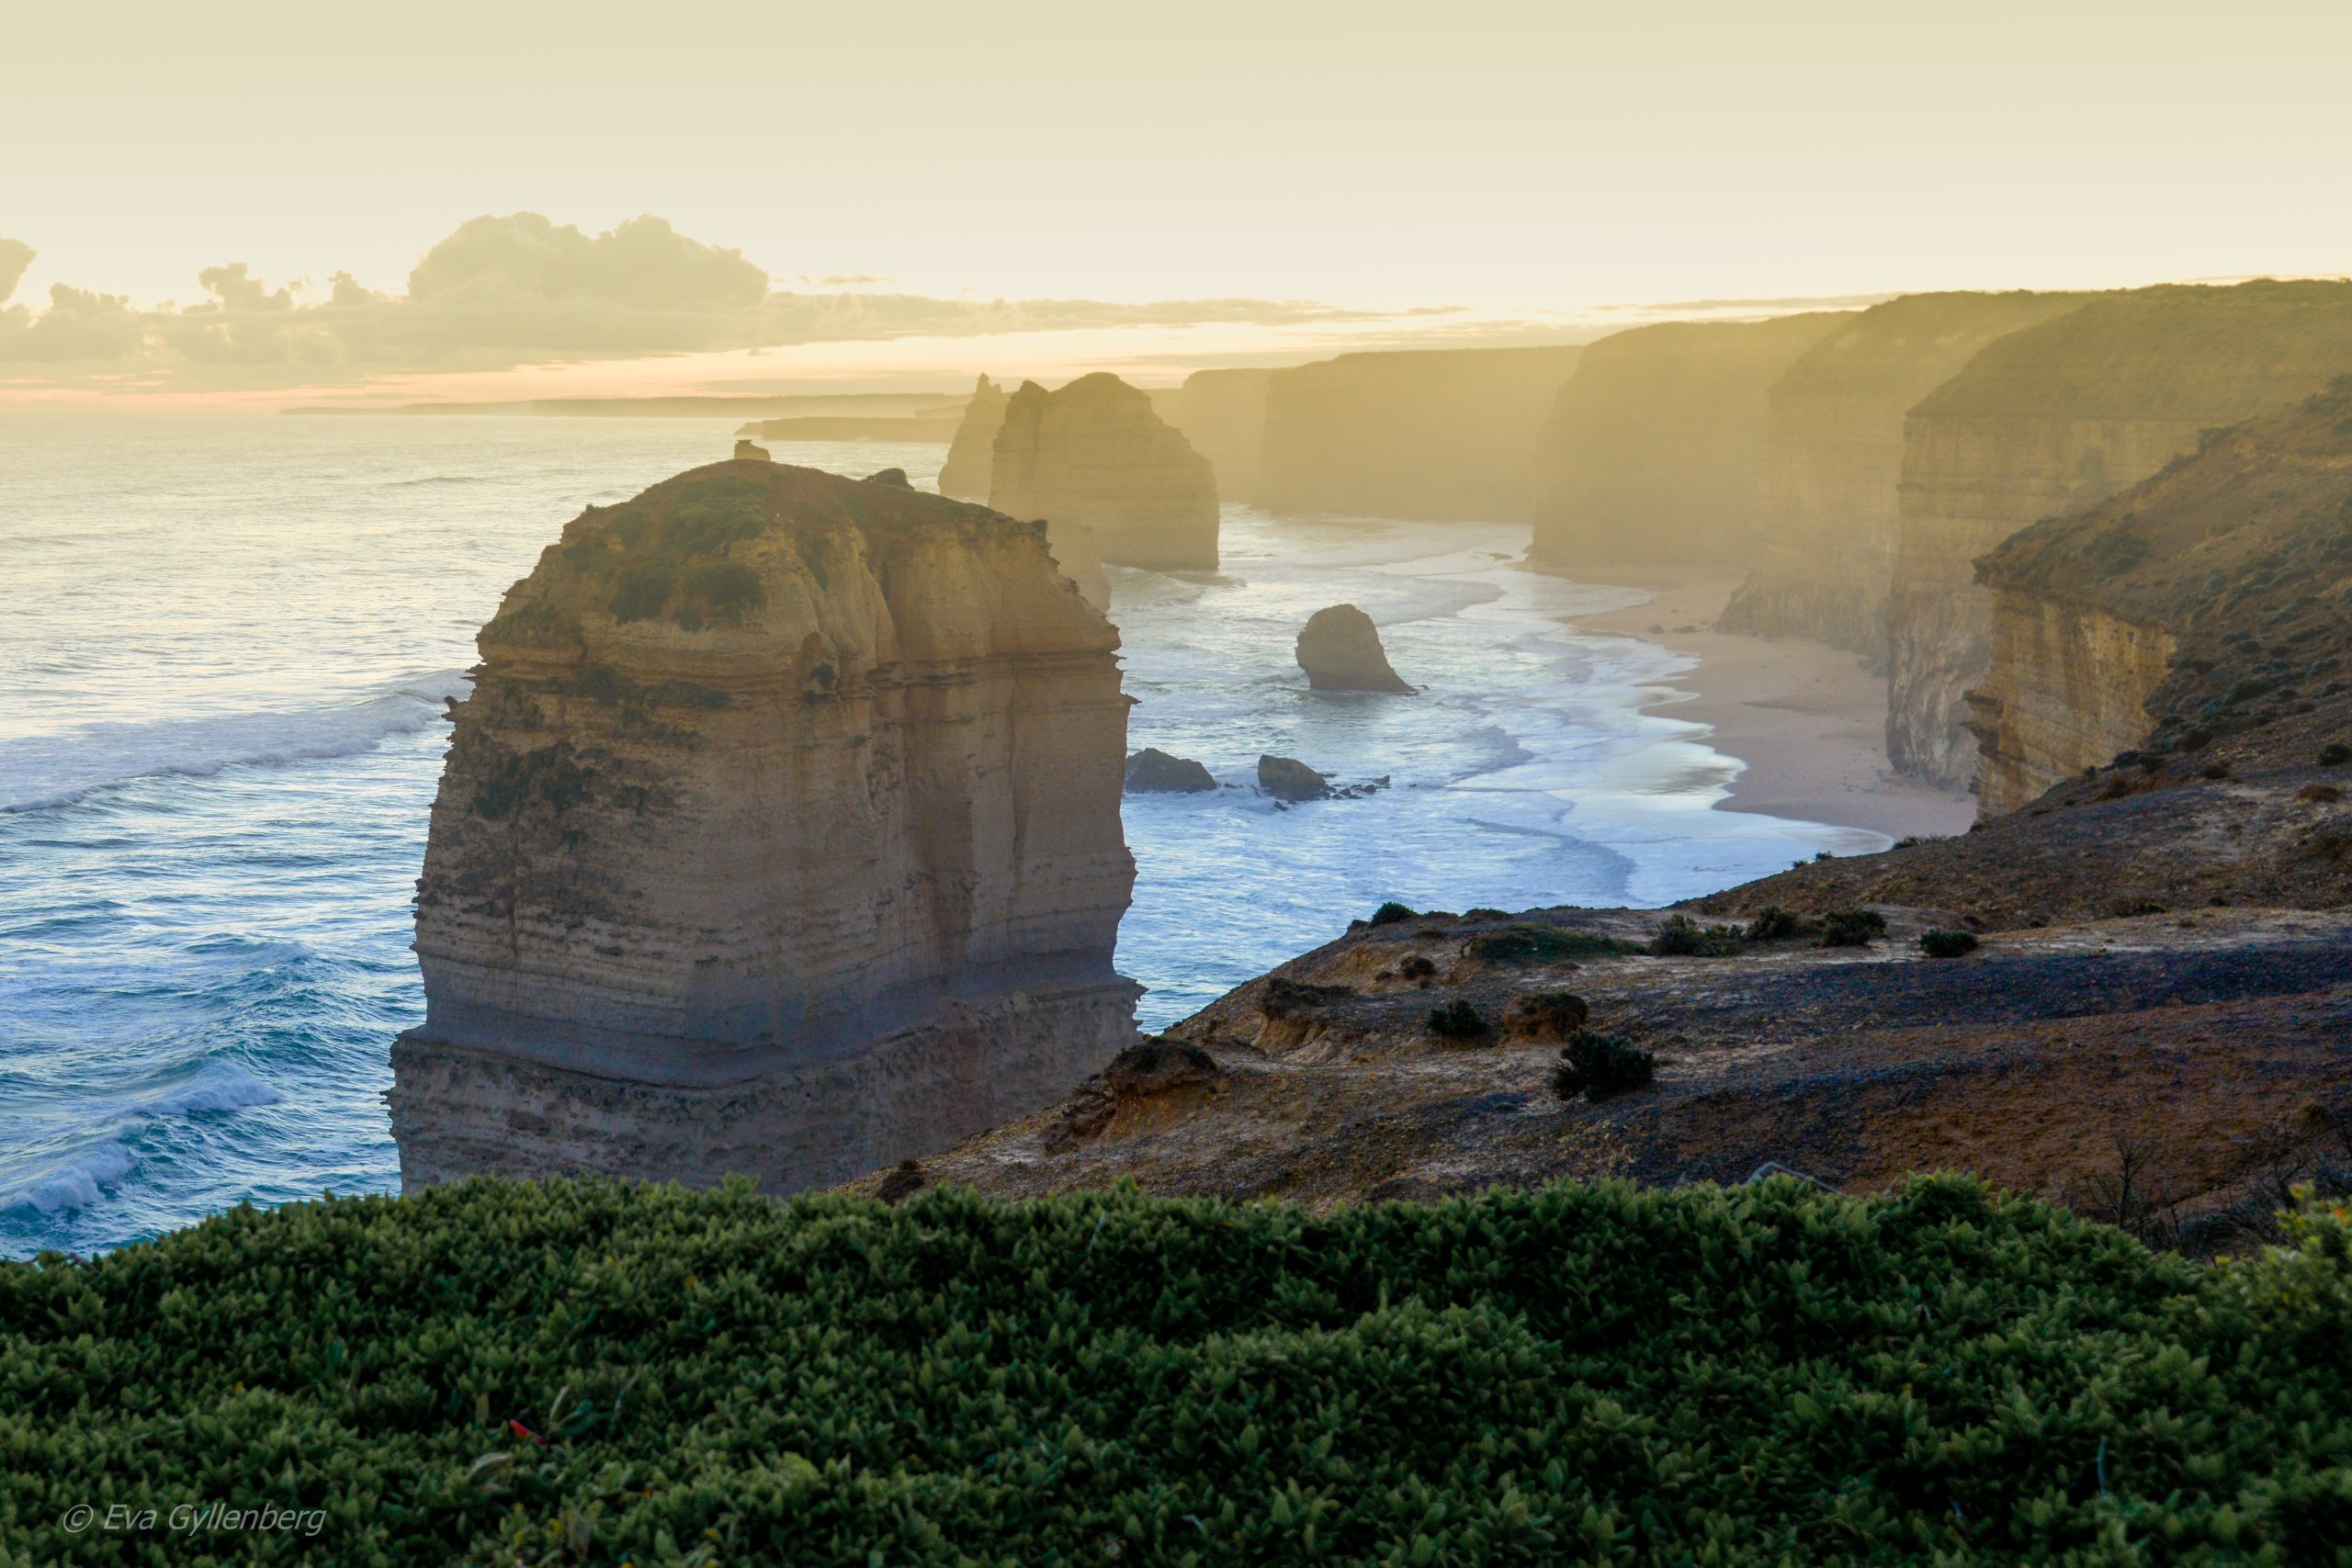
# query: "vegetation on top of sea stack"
{"points": [[600, 1373]]}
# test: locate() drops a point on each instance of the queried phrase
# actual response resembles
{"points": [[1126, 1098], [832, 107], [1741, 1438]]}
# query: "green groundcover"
{"points": [[592, 1372]]}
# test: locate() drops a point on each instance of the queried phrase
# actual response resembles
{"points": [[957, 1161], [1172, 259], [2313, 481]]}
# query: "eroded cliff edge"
{"points": [[1654, 453], [1833, 462], [2050, 419], [2214, 599], [780, 835]]}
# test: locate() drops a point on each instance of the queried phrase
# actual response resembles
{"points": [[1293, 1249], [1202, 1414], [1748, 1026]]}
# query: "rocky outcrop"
{"points": [[1154, 771], [1339, 649], [971, 453], [1223, 414], [1094, 454], [1443, 433], [2050, 420], [2214, 598], [779, 836], [1287, 778], [1829, 503], [747, 451], [1654, 454]]}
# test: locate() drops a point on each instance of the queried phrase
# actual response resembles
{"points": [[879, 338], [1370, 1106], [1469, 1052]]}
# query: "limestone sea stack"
{"points": [[1833, 460], [2212, 598], [779, 835], [1339, 649], [1095, 454], [1654, 456], [2050, 419], [972, 454]]}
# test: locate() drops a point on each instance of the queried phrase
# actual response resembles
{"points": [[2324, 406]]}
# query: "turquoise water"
{"points": [[227, 642]]}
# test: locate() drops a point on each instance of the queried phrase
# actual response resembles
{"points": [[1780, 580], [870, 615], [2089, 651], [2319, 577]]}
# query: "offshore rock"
{"points": [[779, 836], [2053, 418], [971, 453], [1654, 456], [1339, 649], [1095, 454], [893, 477], [1833, 460], [1287, 778], [1154, 771], [746, 451]]}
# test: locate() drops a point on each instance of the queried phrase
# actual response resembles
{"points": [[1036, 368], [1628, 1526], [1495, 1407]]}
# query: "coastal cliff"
{"points": [[971, 450], [1438, 433], [1829, 503], [1223, 414], [2210, 599], [779, 835], [1654, 453], [2050, 420], [1094, 454]]}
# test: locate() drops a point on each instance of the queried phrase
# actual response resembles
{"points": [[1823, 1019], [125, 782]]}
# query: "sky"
{"points": [[1521, 162]]}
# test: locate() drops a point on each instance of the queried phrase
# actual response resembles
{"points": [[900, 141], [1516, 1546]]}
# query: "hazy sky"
{"points": [[1503, 156]]}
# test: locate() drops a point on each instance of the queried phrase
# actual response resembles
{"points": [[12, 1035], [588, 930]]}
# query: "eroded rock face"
{"points": [[1339, 649], [2212, 600], [1223, 414], [779, 836], [972, 454], [1833, 460], [1154, 771], [1095, 454], [1653, 454], [2053, 418]]}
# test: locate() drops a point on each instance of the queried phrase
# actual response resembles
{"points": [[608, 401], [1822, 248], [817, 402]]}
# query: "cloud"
{"points": [[517, 289], [14, 257]]}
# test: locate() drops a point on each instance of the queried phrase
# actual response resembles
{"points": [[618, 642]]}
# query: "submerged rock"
{"points": [[1287, 778], [1154, 771], [780, 836], [1341, 652]]}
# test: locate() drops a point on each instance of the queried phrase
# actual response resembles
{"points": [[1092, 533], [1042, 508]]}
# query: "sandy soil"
{"points": [[1809, 721]]}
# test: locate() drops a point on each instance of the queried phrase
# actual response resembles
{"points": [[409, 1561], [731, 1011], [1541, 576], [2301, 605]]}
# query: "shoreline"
{"points": [[1808, 721]]}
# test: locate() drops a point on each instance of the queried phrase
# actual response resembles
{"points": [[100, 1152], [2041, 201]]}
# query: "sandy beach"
{"points": [[1809, 721]]}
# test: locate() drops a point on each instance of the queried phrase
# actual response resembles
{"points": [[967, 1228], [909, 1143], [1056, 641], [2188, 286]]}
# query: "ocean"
{"points": [[226, 643]]}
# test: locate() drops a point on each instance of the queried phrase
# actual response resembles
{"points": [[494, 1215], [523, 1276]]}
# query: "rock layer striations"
{"points": [[2050, 420], [779, 836], [1094, 454]]}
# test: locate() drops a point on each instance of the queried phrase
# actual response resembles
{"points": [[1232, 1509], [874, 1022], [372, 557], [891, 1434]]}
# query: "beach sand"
{"points": [[1809, 721]]}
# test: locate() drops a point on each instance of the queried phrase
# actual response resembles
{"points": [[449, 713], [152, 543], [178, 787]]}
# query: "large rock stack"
{"points": [[1094, 454], [779, 836], [971, 456]]}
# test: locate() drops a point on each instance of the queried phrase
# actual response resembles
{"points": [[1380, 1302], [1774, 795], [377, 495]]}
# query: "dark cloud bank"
{"points": [[501, 292]]}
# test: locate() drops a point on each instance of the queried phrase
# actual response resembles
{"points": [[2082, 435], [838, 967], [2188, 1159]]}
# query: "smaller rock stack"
{"points": [[1339, 649], [1095, 454]]}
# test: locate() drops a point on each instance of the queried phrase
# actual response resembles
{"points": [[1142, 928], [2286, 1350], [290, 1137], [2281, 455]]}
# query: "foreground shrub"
{"points": [[2335, 754], [1682, 937], [1457, 1020], [1598, 1065], [1947, 944], [1547, 1015], [1773, 923], [1939, 1375], [1389, 914], [1526, 942], [1851, 927]]}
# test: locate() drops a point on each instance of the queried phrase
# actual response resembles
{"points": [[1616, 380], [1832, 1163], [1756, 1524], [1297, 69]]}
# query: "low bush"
{"points": [[1389, 914], [583, 1373], [1416, 967], [1457, 1020], [1527, 942], [1851, 927], [1947, 944], [1598, 1065], [1773, 923], [1547, 1015], [1681, 937], [2335, 753]]}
